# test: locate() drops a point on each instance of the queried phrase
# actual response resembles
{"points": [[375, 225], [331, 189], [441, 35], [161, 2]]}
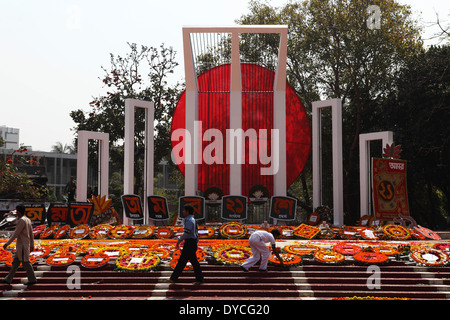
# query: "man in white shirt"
{"points": [[257, 242]]}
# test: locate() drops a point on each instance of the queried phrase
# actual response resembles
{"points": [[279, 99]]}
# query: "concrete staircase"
{"points": [[309, 281]]}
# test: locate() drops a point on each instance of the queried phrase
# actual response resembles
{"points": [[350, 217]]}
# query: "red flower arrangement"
{"points": [[233, 254], [95, 260], [289, 260], [347, 248], [49, 232], [60, 259], [370, 257], [143, 232], [61, 232], [328, 256], [300, 249], [164, 233]]}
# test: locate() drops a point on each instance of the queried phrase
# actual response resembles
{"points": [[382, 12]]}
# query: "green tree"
{"points": [[141, 74], [419, 113], [332, 53]]}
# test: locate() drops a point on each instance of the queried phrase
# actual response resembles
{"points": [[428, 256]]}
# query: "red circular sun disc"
{"points": [[257, 114]]}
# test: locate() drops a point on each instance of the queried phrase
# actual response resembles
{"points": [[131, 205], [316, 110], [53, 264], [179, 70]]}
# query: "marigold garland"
{"points": [[79, 232], [328, 256], [60, 259], [396, 232], [289, 260], [429, 257], [370, 257], [233, 230], [305, 231], [233, 254], [138, 261], [95, 260]]}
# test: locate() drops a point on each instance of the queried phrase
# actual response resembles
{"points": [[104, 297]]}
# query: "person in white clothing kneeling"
{"points": [[258, 243]]}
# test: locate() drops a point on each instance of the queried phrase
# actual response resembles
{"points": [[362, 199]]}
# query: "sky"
{"points": [[52, 51]]}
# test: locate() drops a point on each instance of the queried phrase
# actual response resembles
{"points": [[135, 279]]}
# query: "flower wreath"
{"points": [[100, 231], [112, 251], [328, 256], [289, 260], [301, 250], [10, 260], [206, 232], [429, 257], [233, 230], [348, 232], [305, 231], [347, 248], [138, 261], [164, 233], [60, 259], [161, 252], [232, 254], [396, 232], [370, 257], [38, 229], [79, 232], [442, 246], [328, 233], [62, 231], [49, 232], [143, 232], [95, 260], [286, 232], [40, 252], [386, 250], [121, 231]]}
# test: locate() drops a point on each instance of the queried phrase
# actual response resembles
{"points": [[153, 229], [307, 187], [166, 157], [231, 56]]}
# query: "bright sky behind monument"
{"points": [[52, 51]]}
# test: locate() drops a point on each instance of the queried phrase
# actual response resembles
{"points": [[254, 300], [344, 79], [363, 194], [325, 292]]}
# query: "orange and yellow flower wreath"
{"points": [[370, 257], [233, 254], [328, 256], [138, 261], [305, 231], [79, 232], [60, 259], [396, 232], [289, 260], [233, 230]]}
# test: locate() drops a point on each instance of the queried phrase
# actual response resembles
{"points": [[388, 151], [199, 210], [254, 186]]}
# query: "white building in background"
{"points": [[10, 138]]}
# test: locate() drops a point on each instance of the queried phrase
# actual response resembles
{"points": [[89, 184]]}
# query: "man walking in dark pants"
{"points": [[189, 253]]}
